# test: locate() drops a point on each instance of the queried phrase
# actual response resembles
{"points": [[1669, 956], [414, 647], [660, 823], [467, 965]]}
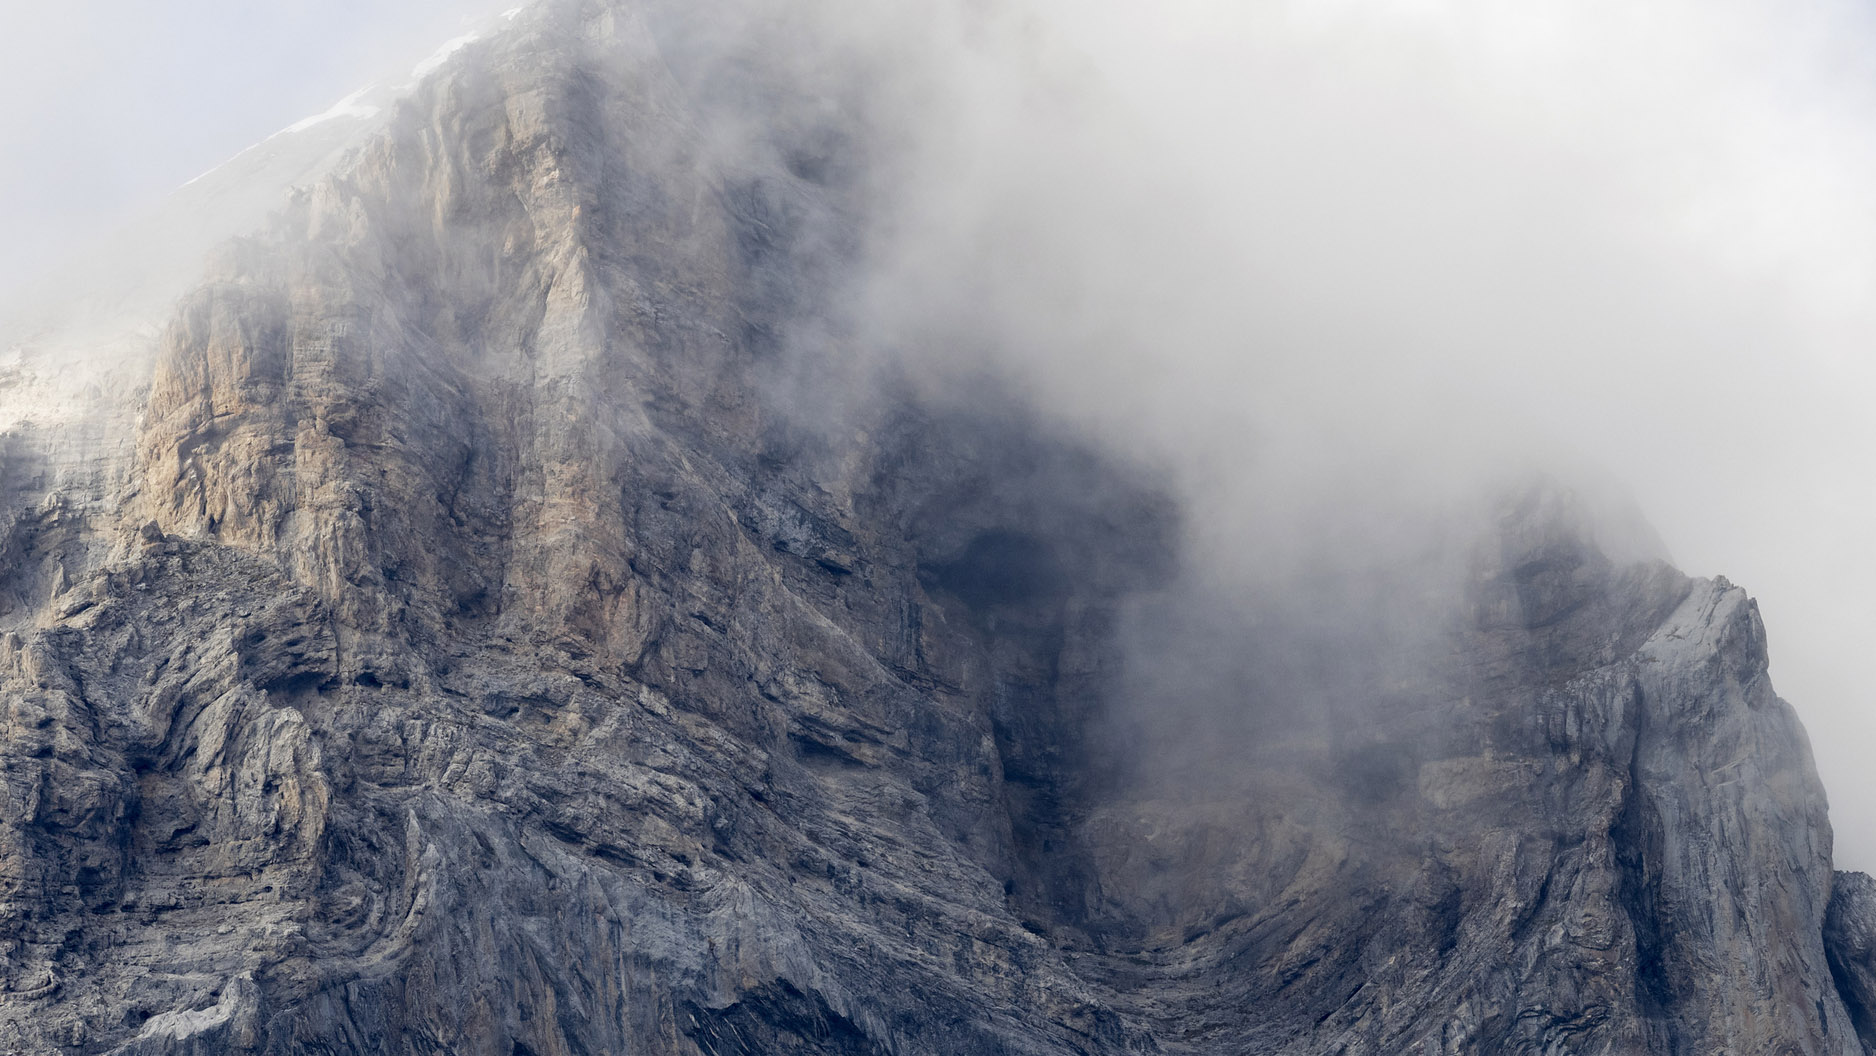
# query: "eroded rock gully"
{"points": [[482, 643]]}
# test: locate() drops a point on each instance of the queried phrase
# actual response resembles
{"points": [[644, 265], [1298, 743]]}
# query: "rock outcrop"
{"points": [[1850, 942], [509, 626]]}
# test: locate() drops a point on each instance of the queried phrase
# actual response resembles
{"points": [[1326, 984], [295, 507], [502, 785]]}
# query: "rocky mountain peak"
{"points": [[514, 618]]}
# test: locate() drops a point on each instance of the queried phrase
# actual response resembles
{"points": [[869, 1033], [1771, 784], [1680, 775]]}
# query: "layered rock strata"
{"points": [[506, 626]]}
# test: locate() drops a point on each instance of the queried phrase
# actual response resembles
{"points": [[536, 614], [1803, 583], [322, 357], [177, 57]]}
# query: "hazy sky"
{"points": [[1640, 234], [109, 104]]}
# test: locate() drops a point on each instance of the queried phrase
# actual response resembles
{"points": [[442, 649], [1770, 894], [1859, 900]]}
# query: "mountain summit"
{"points": [[506, 614]]}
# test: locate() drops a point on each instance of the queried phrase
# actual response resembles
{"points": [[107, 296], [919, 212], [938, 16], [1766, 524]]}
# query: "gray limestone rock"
{"points": [[499, 630], [1850, 942]]}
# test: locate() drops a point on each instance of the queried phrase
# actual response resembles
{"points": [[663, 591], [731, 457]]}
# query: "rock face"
{"points": [[1850, 941], [508, 628]]}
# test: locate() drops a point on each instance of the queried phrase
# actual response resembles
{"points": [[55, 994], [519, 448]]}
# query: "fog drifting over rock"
{"points": [[1381, 250], [1308, 250]]}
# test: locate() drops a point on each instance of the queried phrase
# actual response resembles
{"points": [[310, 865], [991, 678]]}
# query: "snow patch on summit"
{"points": [[353, 106], [441, 55]]}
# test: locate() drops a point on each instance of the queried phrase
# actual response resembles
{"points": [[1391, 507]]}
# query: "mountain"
{"points": [[507, 612]]}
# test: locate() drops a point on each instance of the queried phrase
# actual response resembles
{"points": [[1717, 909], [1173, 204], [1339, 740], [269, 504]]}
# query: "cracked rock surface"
{"points": [[479, 641]]}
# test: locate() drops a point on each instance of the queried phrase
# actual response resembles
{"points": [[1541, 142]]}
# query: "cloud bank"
{"points": [[1366, 255]]}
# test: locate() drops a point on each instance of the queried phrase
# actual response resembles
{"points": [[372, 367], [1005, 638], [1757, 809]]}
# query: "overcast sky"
{"points": [[1644, 231], [110, 104]]}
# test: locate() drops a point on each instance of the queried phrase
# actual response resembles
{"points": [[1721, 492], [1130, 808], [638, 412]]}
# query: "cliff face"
{"points": [[508, 626]]}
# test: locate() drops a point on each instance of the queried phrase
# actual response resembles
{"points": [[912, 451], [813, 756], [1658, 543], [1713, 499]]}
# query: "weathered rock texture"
{"points": [[509, 629]]}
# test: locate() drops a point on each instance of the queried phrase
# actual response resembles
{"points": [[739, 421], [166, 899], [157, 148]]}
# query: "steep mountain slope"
{"points": [[514, 621]]}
